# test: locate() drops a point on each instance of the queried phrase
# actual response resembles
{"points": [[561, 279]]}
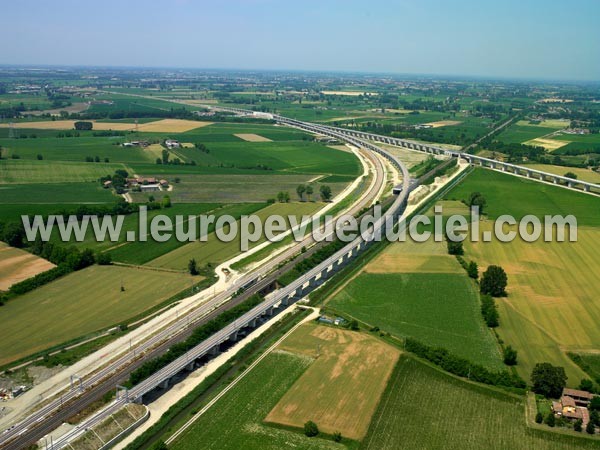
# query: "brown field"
{"points": [[160, 126], [548, 144], [349, 93], [74, 108], [443, 123], [342, 387], [18, 265], [251, 137]]}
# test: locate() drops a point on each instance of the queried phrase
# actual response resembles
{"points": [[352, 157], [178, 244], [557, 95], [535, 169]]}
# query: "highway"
{"points": [[37, 424]]}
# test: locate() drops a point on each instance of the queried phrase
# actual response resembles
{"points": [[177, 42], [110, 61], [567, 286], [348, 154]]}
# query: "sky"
{"points": [[550, 39]]}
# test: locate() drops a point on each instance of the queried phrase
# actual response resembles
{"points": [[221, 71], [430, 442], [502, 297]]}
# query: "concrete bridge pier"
{"points": [[233, 336], [503, 168], [529, 174], [570, 184], [555, 180], [191, 366], [214, 350], [324, 274], [586, 188], [164, 384]]}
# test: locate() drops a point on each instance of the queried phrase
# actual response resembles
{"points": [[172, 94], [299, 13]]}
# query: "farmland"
{"points": [[341, 388], [440, 309], [17, 265], [425, 408], [235, 421], [582, 174], [55, 196], [524, 131], [541, 274], [21, 171], [81, 303], [215, 251]]}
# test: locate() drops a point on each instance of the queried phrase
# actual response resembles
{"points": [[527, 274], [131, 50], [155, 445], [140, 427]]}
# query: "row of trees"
{"points": [[324, 191]]}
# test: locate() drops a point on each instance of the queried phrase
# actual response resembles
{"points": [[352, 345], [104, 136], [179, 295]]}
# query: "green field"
{"points": [[57, 194], [236, 188], [81, 303], [424, 408], [507, 194], [215, 251], [548, 292], [140, 252], [582, 174], [440, 309], [27, 171], [523, 131], [235, 421]]}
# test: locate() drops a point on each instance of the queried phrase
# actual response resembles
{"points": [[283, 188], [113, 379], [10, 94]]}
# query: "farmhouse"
{"points": [[172, 143], [573, 405], [136, 144]]}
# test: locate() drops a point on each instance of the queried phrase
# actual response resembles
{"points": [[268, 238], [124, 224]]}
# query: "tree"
{"points": [[80, 125], [283, 197], [311, 429], [40, 157], [473, 270], [539, 418], [595, 404], [595, 418], [309, 191], [586, 385], [325, 192], [337, 436], [166, 202], [577, 426], [300, 190], [571, 175], [193, 267], [494, 281], [510, 356], [590, 428], [550, 419], [160, 445], [13, 234], [477, 199], [103, 259], [455, 248], [165, 156], [548, 380]]}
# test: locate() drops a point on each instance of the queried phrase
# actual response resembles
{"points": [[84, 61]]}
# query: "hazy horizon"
{"points": [[521, 40]]}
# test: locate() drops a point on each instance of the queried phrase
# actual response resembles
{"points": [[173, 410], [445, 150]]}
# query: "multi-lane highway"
{"points": [[47, 417]]}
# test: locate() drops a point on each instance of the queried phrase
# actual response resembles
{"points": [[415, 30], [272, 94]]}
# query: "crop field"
{"points": [[160, 126], [251, 137], [226, 132], [424, 408], [140, 252], [548, 291], [236, 188], [582, 174], [548, 143], [523, 131], [81, 303], [58, 194], [76, 149], [342, 387], [17, 265], [215, 251], [440, 309], [25, 171], [507, 194], [131, 223], [235, 421]]}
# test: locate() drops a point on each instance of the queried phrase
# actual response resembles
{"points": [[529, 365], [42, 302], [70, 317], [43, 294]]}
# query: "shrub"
{"points": [[311, 429], [539, 418]]}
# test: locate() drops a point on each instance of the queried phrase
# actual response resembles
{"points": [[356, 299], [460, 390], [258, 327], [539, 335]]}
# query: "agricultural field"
{"points": [[417, 290], [81, 303], [24, 171], [237, 188], [160, 126], [524, 131], [34, 195], [142, 252], [215, 251], [548, 290], [18, 265], [236, 420], [582, 174], [342, 387], [426, 408]]}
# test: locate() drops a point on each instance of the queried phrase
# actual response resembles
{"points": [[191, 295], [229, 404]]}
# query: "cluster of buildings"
{"points": [[142, 144], [144, 184], [172, 143], [573, 405]]}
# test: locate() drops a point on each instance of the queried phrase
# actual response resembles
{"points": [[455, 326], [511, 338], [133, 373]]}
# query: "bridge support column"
{"points": [[233, 336], [503, 168], [570, 184], [555, 180], [325, 273], [164, 384], [586, 188], [214, 351], [252, 323], [269, 312], [529, 173], [190, 366]]}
